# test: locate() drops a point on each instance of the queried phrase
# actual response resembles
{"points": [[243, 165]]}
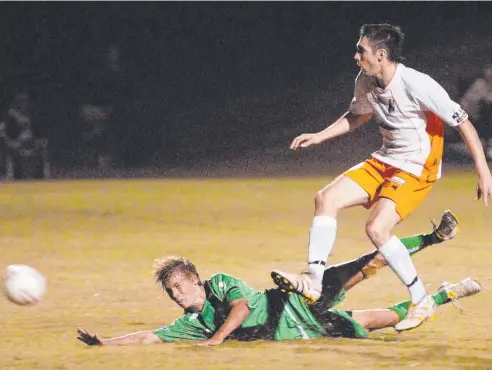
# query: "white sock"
{"points": [[321, 239], [395, 253]]}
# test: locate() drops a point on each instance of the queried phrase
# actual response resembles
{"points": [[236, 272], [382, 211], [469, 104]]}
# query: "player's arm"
{"points": [[470, 137], [141, 337], [239, 312], [346, 123]]}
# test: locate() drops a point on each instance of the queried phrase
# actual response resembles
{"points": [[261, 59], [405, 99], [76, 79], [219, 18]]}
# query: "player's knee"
{"points": [[377, 232], [325, 201]]}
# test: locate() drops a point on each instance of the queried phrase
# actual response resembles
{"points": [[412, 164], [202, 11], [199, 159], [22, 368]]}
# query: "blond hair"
{"points": [[164, 267]]}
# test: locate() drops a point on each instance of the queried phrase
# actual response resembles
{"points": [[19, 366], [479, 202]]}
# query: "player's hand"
{"points": [[210, 342], [484, 188], [88, 338], [305, 140]]}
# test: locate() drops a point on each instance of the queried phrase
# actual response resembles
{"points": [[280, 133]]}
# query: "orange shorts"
{"points": [[380, 180]]}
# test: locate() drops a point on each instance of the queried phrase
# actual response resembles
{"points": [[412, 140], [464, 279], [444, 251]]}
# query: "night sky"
{"points": [[205, 78]]}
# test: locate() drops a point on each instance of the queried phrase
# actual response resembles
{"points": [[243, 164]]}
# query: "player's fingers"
{"points": [[294, 144], [83, 332], [298, 140], [486, 197], [479, 193], [306, 143], [82, 338]]}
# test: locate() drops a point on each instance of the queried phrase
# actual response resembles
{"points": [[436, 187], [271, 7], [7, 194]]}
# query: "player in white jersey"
{"points": [[410, 108]]}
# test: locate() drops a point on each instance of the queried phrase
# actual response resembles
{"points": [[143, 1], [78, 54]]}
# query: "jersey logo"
{"points": [[459, 116]]}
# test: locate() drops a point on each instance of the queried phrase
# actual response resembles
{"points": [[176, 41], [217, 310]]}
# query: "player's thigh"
{"points": [[406, 191], [368, 175], [343, 192], [356, 186]]}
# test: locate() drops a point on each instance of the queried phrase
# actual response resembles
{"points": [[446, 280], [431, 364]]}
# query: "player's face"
{"points": [[367, 60], [185, 291]]}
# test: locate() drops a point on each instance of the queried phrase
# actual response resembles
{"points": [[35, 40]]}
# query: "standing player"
{"points": [[410, 108]]}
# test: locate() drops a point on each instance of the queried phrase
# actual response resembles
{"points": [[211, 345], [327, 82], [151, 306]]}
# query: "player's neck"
{"points": [[388, 70]]}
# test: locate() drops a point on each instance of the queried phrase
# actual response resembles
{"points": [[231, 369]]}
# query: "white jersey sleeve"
{"points": [[360, 104], [432, 97]]}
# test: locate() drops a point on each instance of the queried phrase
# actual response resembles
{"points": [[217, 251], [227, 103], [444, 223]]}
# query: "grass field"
{"points": [[96, 241]]}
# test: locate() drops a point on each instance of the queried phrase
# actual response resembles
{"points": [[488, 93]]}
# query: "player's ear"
{"points": [[196, 280], [381, 53]]}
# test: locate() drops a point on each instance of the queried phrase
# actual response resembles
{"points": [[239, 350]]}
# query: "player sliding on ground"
{"points": [[224, 307], [410, 108]]}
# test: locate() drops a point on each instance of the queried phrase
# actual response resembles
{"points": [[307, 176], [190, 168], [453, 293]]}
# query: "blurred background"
{"points": [[95, 89]]}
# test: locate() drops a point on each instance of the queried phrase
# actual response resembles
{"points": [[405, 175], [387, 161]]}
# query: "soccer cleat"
{"points": [[448, 227], [303, 284], [417, 314], [465, 288]]}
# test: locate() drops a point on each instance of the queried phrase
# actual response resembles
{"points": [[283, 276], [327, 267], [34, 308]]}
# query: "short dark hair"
{"points": [[166, 266], [385, 36]]}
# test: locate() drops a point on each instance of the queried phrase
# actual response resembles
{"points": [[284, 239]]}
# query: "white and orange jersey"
{"points": [[410, 112]]}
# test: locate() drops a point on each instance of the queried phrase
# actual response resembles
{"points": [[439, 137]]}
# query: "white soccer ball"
{"points": [[23, 284]]}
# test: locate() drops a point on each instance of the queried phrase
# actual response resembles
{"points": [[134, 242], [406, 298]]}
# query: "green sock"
{"points": [[440, 297], [401, 308], [418, 242]]}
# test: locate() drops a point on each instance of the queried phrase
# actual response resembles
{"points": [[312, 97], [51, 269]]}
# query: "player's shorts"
{"points": [[381, 180], [337, 323], [340, 323]]}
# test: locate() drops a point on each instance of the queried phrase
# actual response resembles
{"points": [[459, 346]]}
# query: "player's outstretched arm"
{"points": [[470, 137], [141, 337], [346, 123]]}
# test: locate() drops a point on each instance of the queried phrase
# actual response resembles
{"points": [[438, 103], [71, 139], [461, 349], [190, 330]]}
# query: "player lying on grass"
{"points": [[224, 307]]}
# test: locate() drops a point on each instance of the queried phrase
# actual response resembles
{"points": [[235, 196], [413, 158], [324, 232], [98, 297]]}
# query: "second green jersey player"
{"points": [[224, 307]]}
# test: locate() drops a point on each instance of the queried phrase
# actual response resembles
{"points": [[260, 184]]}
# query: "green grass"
{"points": [[96, 241]]}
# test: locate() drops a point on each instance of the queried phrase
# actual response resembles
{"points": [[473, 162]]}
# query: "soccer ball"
{"points": [[23, 285]]}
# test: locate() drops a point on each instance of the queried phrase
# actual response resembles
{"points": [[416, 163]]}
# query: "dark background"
{"points": [[197, 85]]}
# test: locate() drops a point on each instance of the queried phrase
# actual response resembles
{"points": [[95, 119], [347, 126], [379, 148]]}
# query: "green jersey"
{"points": [[274, 315]]}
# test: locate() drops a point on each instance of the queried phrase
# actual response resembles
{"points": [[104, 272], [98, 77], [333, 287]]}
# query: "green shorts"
{"points": [[340, 323], [337, 323]]}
